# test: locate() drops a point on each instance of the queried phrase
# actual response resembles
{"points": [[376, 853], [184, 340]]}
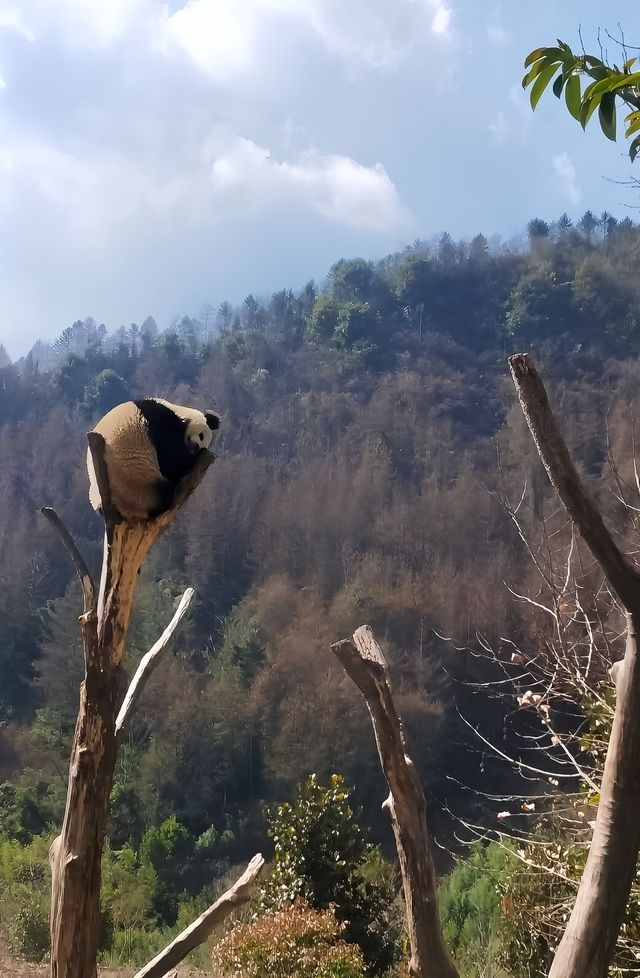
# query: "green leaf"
{"points": [[535, 71], [599, 71], [545, 53], [609, 83], [557, 86], [593, 62], [633, 123], [572, 96], [589, 91], [634, 148], [628, 65], [541, 83], [627, 81], [589, 106], [607, 115], [534, 55], [570, 67]]}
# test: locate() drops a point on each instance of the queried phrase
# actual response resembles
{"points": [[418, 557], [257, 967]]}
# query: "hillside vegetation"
{"points": [[368, 424]]}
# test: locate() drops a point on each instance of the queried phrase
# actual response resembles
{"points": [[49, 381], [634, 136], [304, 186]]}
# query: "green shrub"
{"points": [[30, 927], [320, 855], [471, 907], [24, 897]]}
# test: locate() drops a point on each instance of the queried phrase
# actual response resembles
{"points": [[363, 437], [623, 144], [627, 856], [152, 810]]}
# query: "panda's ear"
{"points": [[213, 420]]}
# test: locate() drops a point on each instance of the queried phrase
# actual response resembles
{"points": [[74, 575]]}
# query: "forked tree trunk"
{"points": [[588, 943], [76, 854]]}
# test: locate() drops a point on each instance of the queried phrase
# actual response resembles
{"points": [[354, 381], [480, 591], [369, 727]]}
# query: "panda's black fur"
{"points": [[167, 435]]}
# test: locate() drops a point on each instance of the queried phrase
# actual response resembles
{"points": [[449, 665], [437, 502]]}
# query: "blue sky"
{"points": [[155, 156]]}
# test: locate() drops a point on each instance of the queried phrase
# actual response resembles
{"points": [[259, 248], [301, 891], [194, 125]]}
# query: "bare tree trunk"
{"points": [[365, 664], [588, 943], [76, 854]]}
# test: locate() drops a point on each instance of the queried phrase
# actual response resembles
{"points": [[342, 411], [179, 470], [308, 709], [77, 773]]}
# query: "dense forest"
{"points": [[369, 459]]}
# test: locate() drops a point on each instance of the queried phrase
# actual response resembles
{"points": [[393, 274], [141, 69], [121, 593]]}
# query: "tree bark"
{"points": [[76, 855], [588, 943], [365, 664], [197, 932]]}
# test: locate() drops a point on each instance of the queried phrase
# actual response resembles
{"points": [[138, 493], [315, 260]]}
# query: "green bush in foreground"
{"points": [[322, 857]]}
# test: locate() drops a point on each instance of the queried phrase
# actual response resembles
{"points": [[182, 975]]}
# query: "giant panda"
{"points": [[150, 446]]}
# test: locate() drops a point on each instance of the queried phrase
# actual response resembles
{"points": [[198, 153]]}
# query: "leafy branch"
{"points": [[609, 85]]}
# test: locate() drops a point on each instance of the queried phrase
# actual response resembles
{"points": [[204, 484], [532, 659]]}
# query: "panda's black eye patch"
{"points": [[201, 436]]}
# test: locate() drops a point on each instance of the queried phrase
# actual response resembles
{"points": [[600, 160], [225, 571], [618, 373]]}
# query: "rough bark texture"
{"points": [[197, 932], [76, 855], [365, 664], [587, 945]]}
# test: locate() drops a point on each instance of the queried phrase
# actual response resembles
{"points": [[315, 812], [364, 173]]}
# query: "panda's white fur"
{"points": [[150, 445]]}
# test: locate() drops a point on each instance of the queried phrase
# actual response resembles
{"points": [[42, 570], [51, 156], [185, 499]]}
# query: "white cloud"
{"points": [[89, 195], [441, 23], [223, 37], [339, 188], [119, 235], [565, 172], [10, 18], [227, 37], [3, 83], [83, 23], [218, 35], [440, 16], [230, 176], [360, 32]]}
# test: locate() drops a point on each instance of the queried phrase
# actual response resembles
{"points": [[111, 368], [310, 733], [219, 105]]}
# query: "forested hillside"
{"points": [[368, 424]]}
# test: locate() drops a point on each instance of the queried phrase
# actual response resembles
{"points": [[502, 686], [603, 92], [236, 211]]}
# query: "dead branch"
{"points": [[588, 942], [198, 932], [365, 664], [623, 578], [82, 570], [150, 661]]}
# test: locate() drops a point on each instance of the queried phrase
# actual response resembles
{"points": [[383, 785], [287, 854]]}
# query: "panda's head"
{"points": [[196, 427], [199, 429]]}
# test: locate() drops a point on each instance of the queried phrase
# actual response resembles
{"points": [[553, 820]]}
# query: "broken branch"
{"points": [[197, 932], [150, 661], [365, 664]]}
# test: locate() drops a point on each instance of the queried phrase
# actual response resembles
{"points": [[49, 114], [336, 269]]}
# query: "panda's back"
{"points": [[127, 438], [132, 463]]}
